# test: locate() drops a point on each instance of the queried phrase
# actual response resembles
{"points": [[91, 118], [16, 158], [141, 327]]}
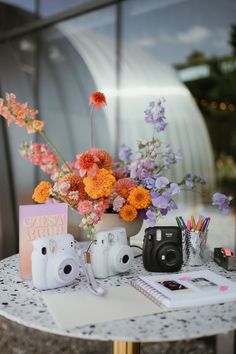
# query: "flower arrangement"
{"points": [[134, 186]]}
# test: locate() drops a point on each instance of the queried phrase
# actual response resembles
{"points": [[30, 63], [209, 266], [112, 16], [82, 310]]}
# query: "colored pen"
{"points": [[178, 223], [183, 223], [200, 223], [193, 225], [189, 225], [207, 224]]}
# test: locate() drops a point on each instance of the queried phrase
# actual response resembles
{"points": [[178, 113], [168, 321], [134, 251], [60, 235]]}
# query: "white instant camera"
{"points": [[55, 262], [110, 254]]}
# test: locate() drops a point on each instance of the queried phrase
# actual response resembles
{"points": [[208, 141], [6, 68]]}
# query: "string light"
{"points": [[222, 106]]}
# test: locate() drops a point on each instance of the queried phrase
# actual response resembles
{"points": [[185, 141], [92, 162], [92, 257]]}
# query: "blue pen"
{"points": [[207, 224], [202, 229]]}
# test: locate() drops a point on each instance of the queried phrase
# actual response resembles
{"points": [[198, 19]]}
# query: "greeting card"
{"points": [[38, 221]]}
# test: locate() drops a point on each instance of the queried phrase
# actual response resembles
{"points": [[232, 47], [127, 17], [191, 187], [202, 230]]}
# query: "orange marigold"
{"points": [[99, 185], [139, 198], [42, 192], [97, 99], [124, 186], [128, 212]]}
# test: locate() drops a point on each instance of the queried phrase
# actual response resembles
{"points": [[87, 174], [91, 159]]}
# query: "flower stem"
{"points": [[46, 138], [91, 126]]}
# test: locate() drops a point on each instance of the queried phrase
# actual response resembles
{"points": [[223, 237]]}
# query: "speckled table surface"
{"points": [[22, 303]]}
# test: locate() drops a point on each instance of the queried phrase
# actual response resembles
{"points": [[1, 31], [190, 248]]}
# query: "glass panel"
{"points": [[164, 43], [28, 5], [76, 58], [54, 7], [17, 62]]}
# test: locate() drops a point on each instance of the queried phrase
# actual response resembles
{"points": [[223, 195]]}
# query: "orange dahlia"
{"points": [[128, 212], [124, 186], [42, 192], [87, 163], [97, 99], [99, 185], [104, 158], [75, 188], [139, 198], [118, 174]]}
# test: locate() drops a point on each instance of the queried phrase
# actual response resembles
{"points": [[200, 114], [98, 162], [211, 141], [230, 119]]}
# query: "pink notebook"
{"points": [[38, 221]]}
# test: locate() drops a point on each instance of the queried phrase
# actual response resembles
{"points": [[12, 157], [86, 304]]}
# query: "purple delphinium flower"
{"points": [[167, 161], [151, 217], [222, 201], [174, 189], [189, 182], [155, 115], [149, 116], [161, 201], [160, 117], [161, 182], [173, 205], [125, 153], [199, 179], [149, 182]]}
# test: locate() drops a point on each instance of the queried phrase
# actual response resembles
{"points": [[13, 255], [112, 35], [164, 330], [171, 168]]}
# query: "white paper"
{"points": [[82, 308]]}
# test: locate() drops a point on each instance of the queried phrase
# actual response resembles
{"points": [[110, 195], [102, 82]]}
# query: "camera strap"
{"points": [[93, 285]]}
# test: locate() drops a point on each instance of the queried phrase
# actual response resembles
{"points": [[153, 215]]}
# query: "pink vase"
{"points": [[110, 220]]}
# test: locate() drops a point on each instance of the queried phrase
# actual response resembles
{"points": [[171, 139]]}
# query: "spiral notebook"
{"points": [[186, 289]]}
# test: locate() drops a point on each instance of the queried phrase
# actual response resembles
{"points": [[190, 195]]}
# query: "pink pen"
{"points": [[189, 225]]}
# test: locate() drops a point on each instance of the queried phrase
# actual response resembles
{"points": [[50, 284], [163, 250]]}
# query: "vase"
{"points": [[110, 220]]}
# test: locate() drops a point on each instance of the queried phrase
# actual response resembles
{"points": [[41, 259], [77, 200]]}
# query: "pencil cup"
{"points": [[194, 247]]}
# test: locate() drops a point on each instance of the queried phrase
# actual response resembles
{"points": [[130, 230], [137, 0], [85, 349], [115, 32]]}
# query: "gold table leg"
{"points": [[126, 348]]}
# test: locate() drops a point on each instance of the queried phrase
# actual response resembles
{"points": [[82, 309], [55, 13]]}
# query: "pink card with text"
{"points": [[38, 221]]}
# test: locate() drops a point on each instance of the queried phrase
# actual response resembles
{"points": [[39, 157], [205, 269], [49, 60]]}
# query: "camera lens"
{"points": [[67, 269], [44, 250], [171, 257], [125, 258]]}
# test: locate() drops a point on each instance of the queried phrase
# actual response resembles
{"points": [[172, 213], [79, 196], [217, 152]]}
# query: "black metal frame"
{"points": [[44, 23]]}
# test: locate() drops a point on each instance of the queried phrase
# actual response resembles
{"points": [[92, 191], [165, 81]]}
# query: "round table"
{"points": [[20, 302]]}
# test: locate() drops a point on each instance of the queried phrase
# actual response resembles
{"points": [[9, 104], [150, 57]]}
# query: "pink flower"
{"points": [[40, 155], [85, 207], [61, 188], [5, 113], [100, 206], [118, 203], [21, 113]]}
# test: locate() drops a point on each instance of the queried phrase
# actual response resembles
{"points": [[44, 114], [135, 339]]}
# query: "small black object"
{"points": [[162, 249]]}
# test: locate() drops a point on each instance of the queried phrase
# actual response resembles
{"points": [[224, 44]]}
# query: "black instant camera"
{"points": [[162, 249]]}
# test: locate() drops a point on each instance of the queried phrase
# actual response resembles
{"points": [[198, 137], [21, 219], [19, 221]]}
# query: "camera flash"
{"points": [[158, 235]]}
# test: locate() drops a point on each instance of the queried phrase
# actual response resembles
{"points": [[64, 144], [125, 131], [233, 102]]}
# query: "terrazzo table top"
{"points": [[21, 302]]}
